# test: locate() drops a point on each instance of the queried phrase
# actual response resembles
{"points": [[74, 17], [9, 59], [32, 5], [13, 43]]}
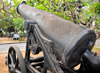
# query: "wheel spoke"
{"points": [[11, 58], [14, 56], [10, 65], [17, 71], [17, 62]]}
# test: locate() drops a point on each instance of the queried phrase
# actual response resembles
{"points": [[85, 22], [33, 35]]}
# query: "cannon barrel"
{"points": [[70, 40]]}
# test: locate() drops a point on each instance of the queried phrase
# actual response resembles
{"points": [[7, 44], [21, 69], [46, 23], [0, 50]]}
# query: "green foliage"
{"points": [[91, 11], [18, 23], [95, 8], [66, 17], [71, 7], [55, 7], [16, 2], [11, 18], [5, 22], [20, 39]]}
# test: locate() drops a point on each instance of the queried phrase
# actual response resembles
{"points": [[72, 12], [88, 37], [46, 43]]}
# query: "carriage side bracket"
{"points": [[45, 44]]}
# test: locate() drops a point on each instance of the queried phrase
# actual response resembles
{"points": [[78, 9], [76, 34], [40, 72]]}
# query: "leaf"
{"points": [[13, 19], [85, 2]]}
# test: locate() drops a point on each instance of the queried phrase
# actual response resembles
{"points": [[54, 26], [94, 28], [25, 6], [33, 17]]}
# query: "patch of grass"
{"points": [[96, 48], [21, 39]]}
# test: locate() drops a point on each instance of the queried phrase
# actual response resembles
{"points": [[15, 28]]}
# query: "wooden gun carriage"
{"points": [[64, 45]]}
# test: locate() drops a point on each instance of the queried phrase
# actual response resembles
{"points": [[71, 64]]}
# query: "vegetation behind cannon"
{"points": [[70, 40]]}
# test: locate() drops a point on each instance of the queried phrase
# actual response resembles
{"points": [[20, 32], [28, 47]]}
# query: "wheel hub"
{"points": [[12, 69]]}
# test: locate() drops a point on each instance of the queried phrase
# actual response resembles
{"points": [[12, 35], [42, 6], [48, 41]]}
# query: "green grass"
{"points": [[96, 48], [21, 39]]}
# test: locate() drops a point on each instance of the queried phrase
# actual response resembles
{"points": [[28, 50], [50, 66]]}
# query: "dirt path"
{"points": [[8, 40], [4, 68]]}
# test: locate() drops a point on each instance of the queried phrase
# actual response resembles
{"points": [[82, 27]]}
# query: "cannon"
{"points": [[63, 45]]}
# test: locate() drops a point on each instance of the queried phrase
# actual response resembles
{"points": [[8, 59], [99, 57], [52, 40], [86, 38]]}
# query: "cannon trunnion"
{"points": [[63, 43]]}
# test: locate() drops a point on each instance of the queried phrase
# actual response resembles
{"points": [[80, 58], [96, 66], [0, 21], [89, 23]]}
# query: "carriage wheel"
{"points": [[16, 62]]}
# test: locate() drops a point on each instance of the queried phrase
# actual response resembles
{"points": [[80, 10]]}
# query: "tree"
{"points": [[18, 23], [9, 16], [81, 12]]}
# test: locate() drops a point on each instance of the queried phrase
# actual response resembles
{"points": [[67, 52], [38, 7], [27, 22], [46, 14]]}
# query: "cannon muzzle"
{"points": [[70, 40]]}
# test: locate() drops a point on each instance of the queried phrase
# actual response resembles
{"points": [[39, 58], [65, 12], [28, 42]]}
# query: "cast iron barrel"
{"points": [[70, 40]]}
